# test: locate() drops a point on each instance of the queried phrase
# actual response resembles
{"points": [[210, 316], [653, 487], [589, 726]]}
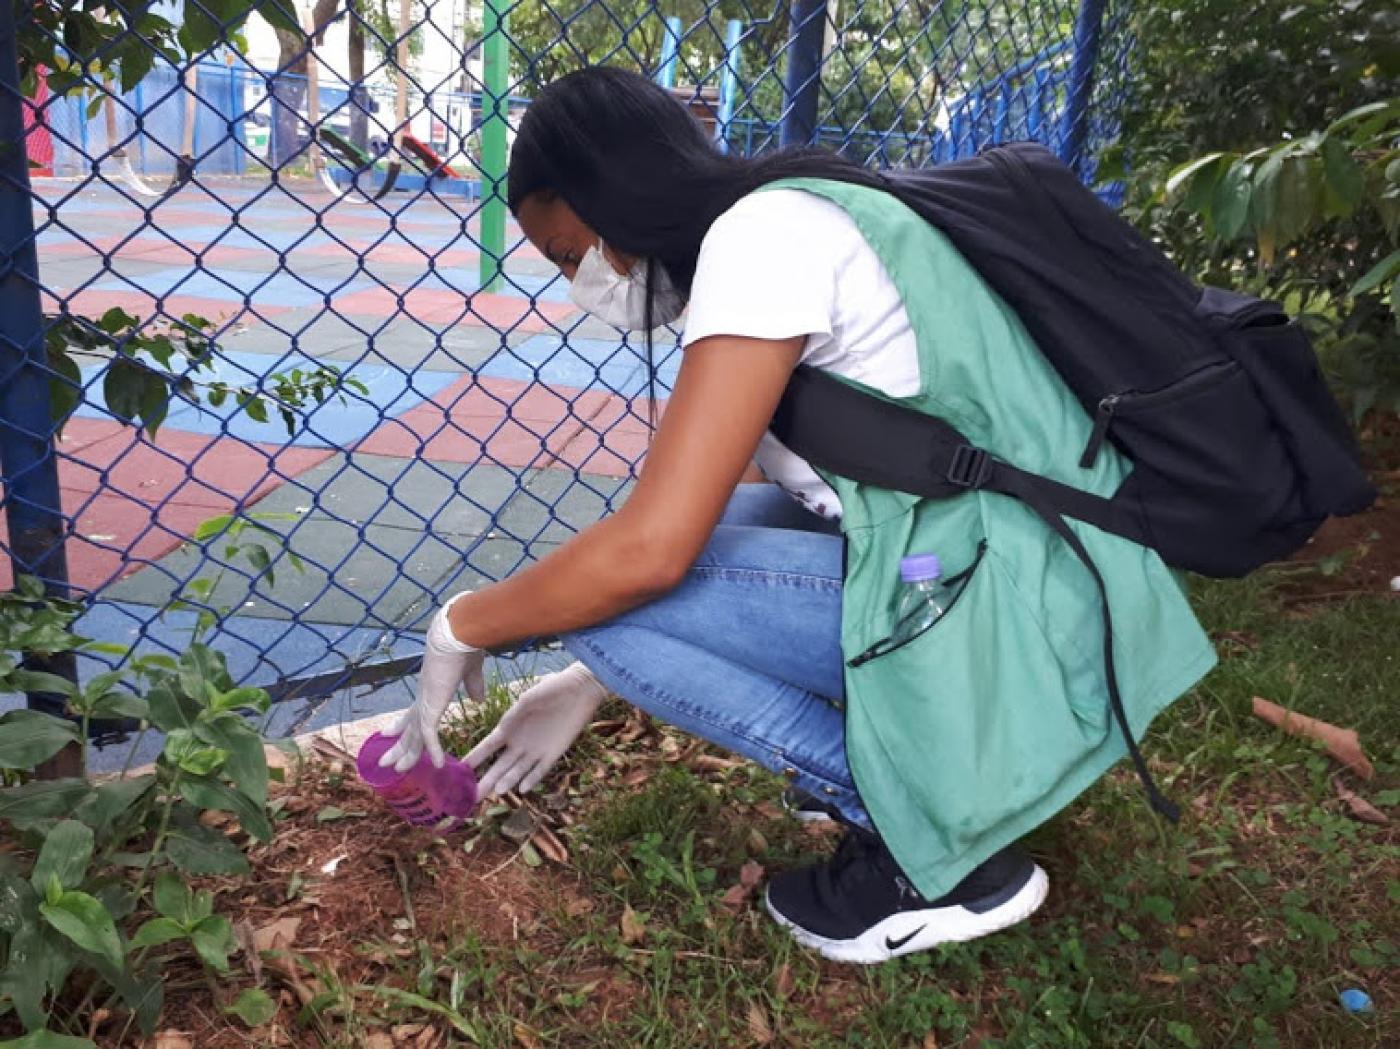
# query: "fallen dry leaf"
{"points": [[378, 1040], [550, 846], [525, 1036], [760, 1030], [757, 843], [1341, 743], [930, 1040], [712, 763], [633, 927], [783, 982], [577, 906], [243, 936], [278, 935], [1359, 806], [172, 1040], [750, 874]]}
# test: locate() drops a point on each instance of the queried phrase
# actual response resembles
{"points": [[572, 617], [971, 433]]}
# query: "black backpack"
{"points": [[1239, 450]]}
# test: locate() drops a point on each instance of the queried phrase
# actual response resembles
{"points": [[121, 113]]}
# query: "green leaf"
{"points": [[1192, 168], [1378, 274], [173, 898], [1345, 184], [121, 704], [213, 941], [1229, 208], [260, 560], [253, 1006], [212, 527], [64, 856], [39, 681], [39, 961], [29, 737], [199, 665], [41, 799], [245, 697], [185, 751], [65, 385], [197, 849], [156, 932], [207, 793], [246, 763], [18, 902], [417, 1001], [124, 388], [171, 709], [86, 922], [48, 1040], [256, 408], [116, 320], [109, 801]]}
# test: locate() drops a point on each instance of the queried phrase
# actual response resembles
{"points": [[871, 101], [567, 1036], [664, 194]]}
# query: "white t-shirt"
{"points": [[782, 263]]}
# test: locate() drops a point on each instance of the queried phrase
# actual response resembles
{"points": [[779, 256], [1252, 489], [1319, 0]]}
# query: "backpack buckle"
{"points": [[971, 467]]}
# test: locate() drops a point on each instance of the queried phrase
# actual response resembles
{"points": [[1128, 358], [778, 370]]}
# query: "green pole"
{"points": [[495, 111]]}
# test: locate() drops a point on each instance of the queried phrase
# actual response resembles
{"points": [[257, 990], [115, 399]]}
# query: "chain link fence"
{"points": [[272, 353]]}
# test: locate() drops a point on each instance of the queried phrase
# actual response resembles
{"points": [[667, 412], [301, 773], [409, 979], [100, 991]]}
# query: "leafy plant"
{"points": [[84, 45], [152, 365], [96, 896], [1315, 221]]}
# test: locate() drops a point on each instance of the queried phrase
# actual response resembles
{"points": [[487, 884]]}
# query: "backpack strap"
{"points": [[858, 435], [891, 445]]}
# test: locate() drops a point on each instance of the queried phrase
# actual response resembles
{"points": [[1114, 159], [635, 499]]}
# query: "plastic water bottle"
{"points": [[923, 599], [424, 795]]}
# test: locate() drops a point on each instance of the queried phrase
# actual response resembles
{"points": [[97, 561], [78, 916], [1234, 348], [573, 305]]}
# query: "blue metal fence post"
{"points": [[802, 79], [670, 52], [728, 81], [28, 461], [1074, 124]]}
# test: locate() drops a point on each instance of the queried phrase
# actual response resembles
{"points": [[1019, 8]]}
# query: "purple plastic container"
{"points": [[424, 795]]}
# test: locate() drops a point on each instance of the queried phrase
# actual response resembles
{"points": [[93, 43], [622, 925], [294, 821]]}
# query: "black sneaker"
{"points": [[859, 907], [808, 808]]}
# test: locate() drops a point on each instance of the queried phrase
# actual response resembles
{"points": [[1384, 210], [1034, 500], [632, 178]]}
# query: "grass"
{"points": [[1237, 928], [642, 925]]}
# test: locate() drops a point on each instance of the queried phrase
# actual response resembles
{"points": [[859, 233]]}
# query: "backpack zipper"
{"points": [[1192, 382]]}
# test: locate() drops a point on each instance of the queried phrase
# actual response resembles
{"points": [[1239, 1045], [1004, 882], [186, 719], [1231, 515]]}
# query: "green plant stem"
{"points": [[131, 753], [162, 831]]}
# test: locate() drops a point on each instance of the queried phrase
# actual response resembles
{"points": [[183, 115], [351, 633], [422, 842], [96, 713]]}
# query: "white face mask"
{"points": [[621, 299]]}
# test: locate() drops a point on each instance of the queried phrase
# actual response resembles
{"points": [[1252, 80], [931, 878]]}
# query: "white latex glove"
{"points": [[447, 663], [538, 728]]}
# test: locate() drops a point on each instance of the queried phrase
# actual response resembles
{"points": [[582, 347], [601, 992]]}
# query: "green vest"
{"points": [[983, 727]]}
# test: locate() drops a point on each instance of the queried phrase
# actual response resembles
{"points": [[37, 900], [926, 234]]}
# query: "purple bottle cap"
{"points": [[920, 568]]}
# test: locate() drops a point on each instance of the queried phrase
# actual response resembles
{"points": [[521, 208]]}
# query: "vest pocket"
{"points": [[976, 721], [959, 581]]}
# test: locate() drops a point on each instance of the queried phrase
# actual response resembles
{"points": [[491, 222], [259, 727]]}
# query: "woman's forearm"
{"points": [[598, 574]]}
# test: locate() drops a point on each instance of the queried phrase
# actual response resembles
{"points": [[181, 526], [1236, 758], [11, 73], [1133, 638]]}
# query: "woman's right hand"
{"points": [[537, 729]]}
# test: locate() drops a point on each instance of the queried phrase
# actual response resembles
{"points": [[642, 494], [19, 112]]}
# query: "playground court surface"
{"points": [[494, 423]]}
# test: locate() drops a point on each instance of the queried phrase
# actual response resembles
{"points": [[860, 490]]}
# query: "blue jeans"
{"points": [[746, 652]]}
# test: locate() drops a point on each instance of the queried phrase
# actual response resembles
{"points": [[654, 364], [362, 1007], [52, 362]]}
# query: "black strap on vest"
{"points": [[866, 438]]}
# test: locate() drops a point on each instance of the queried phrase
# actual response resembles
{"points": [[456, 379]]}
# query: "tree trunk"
{"points": [[288, 88], [359, 96]]}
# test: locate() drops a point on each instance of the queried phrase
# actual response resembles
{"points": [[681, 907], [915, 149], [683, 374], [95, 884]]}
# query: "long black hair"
{"points": [[634, 165]]}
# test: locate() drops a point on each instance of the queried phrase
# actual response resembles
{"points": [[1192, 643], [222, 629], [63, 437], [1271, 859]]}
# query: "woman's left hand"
{"points": [[536, 731]]}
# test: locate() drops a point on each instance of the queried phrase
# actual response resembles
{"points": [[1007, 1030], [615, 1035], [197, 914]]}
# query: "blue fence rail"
{"points": [[487, 419]]}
